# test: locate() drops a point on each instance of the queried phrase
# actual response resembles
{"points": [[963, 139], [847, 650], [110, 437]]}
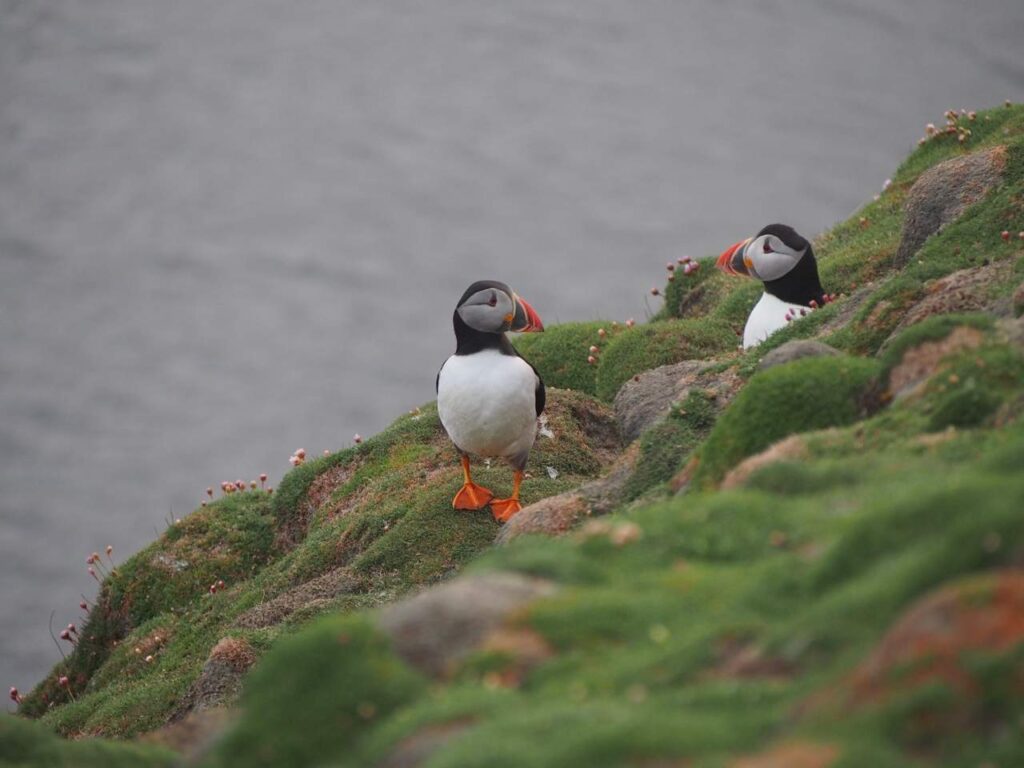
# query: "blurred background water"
{"points": [[231, 229]]}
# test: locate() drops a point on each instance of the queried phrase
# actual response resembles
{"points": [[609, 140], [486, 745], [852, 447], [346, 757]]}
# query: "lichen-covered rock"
{"points": [[942, 194], [648, 398], [967, 290], [795, 350], [559, 514], [439, 627]]}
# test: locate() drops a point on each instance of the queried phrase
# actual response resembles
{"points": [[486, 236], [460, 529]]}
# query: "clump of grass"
{"points": [[29, 744], [649, 346], [665, 447], [560, 353], [801, 396]]}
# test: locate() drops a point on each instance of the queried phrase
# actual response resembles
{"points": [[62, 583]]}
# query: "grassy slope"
{"points": [[381, 512], [701, 626]]}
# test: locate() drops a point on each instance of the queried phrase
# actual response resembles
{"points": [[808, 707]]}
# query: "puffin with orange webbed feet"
{"points": [[784, 262], [488, 396]]}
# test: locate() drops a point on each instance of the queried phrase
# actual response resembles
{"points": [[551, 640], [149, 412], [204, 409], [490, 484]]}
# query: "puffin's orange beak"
{"points": [[732, 262], [526, 319]]}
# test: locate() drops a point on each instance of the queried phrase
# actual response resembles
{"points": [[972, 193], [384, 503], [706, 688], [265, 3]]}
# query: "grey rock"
{"points": [[943, 193], [967, 290], [646, 399], [795, 350], [559, 514], [437, 628]]}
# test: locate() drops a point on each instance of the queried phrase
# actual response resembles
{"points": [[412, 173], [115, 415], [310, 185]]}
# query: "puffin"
{"points": [[489, 398], [784, 262]]}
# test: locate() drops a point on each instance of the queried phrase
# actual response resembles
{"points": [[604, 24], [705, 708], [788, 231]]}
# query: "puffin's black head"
{"points": [[782, 259], [489, 308]]}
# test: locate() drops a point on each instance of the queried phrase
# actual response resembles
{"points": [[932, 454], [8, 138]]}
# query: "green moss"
{"points": [[973, 387], [649, 346], [805, 395], [879, 316], [708, 291], [316, 695], [28, 745], [862, 248], [560, 353], [665, 447]]}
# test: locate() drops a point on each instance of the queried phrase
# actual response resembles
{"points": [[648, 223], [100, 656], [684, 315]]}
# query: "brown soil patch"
{"points": [[923, 361], [596, 423], [296, 526], [796, 754], [792, 447]]}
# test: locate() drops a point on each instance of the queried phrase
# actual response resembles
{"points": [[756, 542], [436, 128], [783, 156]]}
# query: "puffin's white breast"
{"points": [[767, 316], [486, 402]]}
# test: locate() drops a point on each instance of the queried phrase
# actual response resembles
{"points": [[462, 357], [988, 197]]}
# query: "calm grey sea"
{"points": [[231, 229]]}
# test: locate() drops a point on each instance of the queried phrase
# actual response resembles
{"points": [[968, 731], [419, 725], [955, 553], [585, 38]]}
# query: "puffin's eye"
{"points": [[493, 301], [768, 246]]}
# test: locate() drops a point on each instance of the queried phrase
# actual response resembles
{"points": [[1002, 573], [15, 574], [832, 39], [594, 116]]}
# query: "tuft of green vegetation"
{"points": [[560, 353], [804, 395], [29, 745], [648, 346], [665, 447], [318, 693]]}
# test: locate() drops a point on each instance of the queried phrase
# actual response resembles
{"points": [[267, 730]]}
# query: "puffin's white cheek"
{"points": [[482, 317], [772, 266]]}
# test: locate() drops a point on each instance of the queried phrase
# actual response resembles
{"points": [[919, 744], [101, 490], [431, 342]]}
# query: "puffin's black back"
{"points": [[800, 285]]}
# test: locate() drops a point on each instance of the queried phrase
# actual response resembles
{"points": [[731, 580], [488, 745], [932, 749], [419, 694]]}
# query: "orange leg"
{"points": [[471, 495], [503, 509]]}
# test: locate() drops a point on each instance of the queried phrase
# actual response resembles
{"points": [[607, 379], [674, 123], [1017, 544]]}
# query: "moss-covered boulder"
{"points": [[805, 395]]}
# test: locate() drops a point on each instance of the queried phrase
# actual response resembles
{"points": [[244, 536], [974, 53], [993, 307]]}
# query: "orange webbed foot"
{"points": [[504, 509], [472, 496]]}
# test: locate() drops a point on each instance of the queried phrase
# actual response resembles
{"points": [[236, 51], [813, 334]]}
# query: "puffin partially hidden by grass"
{"points": [[488, 397], [784, 261]]}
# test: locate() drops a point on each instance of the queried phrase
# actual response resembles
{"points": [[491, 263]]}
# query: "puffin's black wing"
{"points": [[539, 394]]}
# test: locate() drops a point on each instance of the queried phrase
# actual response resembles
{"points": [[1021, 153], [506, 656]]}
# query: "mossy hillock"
{"points": [[817, 564]]}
